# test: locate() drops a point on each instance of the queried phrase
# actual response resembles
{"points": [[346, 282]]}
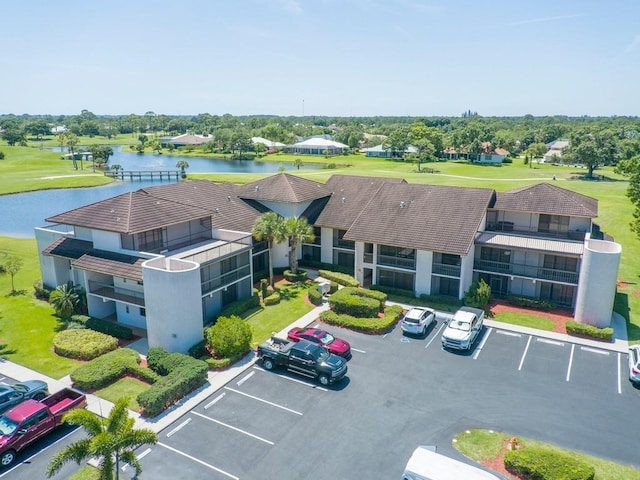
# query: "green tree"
{"points": [[297, 163], [101, 154], [592, 149], [631, 168], [230, 337], [14, 136], [67, 299], [397, 142], [70, 141], [110, 441], [182, 165], [270, 227], [298, 231], [11, 267]]}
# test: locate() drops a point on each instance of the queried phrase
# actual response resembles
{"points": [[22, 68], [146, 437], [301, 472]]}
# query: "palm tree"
{"points": [[109, 441], [270, 227], [182, 165], [71, 140], [298, 230], [66, 299]]}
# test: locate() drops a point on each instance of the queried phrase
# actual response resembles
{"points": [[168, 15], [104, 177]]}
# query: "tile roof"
{"points": [[315, 142], [284, 188], [547, 198], [425, 217], [350, 194], [111, 263], [548, 245], [66, 247]]}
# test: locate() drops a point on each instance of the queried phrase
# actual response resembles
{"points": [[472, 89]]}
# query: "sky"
{"points": [[321, 57]]}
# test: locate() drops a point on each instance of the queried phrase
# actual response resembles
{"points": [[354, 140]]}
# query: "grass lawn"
{"points": [[276, 317], [125, 387], [525, 320], [483, 445], [86, 473]]}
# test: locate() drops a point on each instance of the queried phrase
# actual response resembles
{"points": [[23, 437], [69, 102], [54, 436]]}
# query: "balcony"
{"points": [[402, 262], [529, 271], [510, 227], [340, 243], [226, 279], [119, 294], [216, 250], [446, 269]]}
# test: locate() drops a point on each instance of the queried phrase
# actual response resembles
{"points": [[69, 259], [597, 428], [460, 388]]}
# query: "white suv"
{"points": [[634, 364], [417, 320]]}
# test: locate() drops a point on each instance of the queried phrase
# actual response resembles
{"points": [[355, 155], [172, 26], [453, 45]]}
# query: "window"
{"points": [[448, 259], [126, 308], [391, 278], [311, 253], [344, 259], [495, 255], [151, 240], [143, 312], [557, 293], [567, 264], [553, 223]]}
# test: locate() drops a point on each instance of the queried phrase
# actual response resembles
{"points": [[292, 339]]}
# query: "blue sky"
{"points": [[321, 57]]}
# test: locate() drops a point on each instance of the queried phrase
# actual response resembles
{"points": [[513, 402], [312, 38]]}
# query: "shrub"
{"points": [[264, 283], [198, 350], [333, 287], [83, 344], [315, 296], [1, 155], [41, 292], [399, 292], [301, 276], [589, 331], [365, 325], [272, 299], [529, 302], [108, 368], [478, 295], [341, 278], [358, 302], [229, 337], [542, 464], [103, 326], [241, 306], [326, 266]]}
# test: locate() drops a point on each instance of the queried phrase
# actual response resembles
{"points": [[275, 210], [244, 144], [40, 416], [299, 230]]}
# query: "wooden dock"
{"points": [[144, 174]]}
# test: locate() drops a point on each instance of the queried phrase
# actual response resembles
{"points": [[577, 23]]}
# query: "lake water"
{"points": [[22, 212]]}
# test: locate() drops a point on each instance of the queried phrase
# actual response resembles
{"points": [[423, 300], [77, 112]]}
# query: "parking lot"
{"points": [[400, 392]]}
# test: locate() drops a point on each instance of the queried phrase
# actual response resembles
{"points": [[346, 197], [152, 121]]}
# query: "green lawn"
{"points": [[86, 473], [525, 320], [125, 387], [484, 444]]}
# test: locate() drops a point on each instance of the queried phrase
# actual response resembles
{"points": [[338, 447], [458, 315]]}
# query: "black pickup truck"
{"points": [[304, 358]]}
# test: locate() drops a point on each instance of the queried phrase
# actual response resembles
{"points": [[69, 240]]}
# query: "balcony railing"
{"points": [[510, 227], [225, 279], [402, 262], [116, 293], [177, 243], [340, 243], [530, 271], [220, 250], [446, 269]]}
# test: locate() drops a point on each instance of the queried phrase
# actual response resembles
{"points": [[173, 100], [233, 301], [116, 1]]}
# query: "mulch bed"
{"points": [[497, 464]]}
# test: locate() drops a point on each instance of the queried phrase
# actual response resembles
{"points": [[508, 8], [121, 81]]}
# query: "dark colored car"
{"points": [[12, 395], [334, 345]]}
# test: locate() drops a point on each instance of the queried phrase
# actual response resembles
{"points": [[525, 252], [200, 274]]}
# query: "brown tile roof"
{"points": [[111, 263], [425, 217], [285, 188], [68, 248], [547, 198], [350, 194]]}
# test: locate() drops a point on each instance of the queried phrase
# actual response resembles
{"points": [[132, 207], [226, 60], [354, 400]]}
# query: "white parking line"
{"points": [[573, 347], [198, 461], [310, 385], [356, 350], [245, 378], [142, 455], [550, 342], [28, 459], [179, 427], [435, 336], [482, 342], [619, 375], [263, 401], [511, 334], [524, 354], [595, 350], [215, 400], [269, 442]]}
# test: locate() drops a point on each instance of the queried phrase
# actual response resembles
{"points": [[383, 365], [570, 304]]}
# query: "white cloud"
{"points": [[547, 19]]}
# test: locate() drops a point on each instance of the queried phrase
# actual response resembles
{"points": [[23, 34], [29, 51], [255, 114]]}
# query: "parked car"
{"points": [[634, 364], [334, 345], [417, 320], [463, 329], [425, 462], [12, 395]]}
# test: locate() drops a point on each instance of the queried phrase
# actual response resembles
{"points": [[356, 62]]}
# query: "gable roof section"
{"points": [[425, 217], [66, 247], [549, 199], [111, 263], [350, 194], [284, 188]]}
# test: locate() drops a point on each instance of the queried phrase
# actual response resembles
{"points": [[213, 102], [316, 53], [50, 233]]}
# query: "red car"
{"points": [[334, 345]]}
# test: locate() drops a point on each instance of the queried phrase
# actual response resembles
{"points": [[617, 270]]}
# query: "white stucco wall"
{"points": [[108, 241], [44, 238], [424, 268], [173, 303], [598, 277], [466, 271], [326, 245]]}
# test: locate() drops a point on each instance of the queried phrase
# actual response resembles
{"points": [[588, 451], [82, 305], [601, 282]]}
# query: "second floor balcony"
{"points": [[226, 279], [510, 227], [112, 292], [394, 261], [446, 270], [529, 271]]}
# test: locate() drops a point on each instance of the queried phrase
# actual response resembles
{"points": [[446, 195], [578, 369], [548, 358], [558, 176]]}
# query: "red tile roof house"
{"points": [[168, 258]]}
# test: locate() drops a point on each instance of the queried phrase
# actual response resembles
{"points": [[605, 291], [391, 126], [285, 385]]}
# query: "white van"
{"points": [[426, 464]]}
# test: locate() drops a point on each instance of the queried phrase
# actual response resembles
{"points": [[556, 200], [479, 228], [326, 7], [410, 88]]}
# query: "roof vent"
{"points": [[228, 198], [217, 210], [257, 187], [402, 204], [343, 199]]}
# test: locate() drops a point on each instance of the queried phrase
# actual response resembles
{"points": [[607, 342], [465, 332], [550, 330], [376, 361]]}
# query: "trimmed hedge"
{"points": [[358, 302], [589, 331], [83, 344], [326, 266], [272, 299], [301, 276], [230, 337], [110, 367], [373, 326], [541, 464], [314, 295], [103, 326], [341, 278], [333, 287], [184, 374], [241, 306], [528, 302]]}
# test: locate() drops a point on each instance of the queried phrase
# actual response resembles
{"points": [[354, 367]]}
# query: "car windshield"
{"points": [[7, 426], [460, 325], [323, 355], [327, 338]]}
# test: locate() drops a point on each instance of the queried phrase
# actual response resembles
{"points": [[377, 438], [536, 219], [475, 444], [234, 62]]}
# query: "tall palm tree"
{"points": [[298, 230], [270, 227], [110, 441]]}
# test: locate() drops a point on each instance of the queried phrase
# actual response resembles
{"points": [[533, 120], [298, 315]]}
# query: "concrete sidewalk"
{"points": [[217, 380]]}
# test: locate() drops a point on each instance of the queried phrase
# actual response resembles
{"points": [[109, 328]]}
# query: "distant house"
{"points": [[380, 152], [488, 154], [554, 152], [268, 143], [189, 139], [58, 129], [317, 146]]}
